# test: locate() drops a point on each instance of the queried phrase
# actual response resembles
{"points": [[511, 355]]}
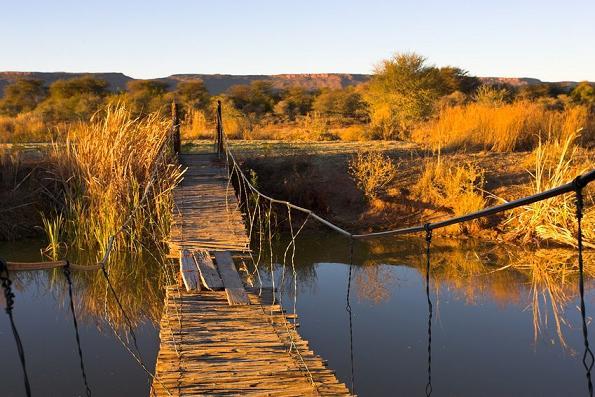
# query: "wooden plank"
{"points": [[189, 271], [208, 272], [234, 288]]}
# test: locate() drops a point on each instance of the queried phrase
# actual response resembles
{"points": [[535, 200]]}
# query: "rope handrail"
{"points": [[579, 182]]}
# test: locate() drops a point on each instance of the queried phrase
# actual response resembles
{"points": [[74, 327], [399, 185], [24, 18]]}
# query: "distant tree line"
{"points": [[403, 91]]}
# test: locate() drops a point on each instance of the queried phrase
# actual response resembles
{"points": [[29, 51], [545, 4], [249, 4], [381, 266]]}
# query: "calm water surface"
{"points": [[487, 304]]}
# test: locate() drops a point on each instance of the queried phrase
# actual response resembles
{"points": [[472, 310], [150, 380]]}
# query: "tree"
{"points": [[147, 96], [402, 92], [583, 93], [193, 94], [258, 97], [294, 101], [74, 99], [344, 103], [22, 96], [456, 79]]}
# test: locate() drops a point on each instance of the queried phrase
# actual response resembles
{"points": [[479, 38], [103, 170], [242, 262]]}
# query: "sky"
{"points": [[549, 40]]}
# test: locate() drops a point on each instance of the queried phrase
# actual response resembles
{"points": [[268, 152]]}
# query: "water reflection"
{"points": [[506, 308], [492, 277]]}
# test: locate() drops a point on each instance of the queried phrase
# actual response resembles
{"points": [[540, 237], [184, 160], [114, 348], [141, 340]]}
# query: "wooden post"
{"points": [[220, 149], [175, 121]]}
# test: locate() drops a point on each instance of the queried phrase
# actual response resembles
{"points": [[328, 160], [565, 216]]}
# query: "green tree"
{"points": [[455, 79], [73, 99], [22, 96], [147, 96], [343, 103], [583, 93], [193, 94], [258, 97], [402, 92], [294, 101]]}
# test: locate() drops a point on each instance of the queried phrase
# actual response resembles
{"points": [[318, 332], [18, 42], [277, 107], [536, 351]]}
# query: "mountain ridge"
{"points": [[218, 83]]}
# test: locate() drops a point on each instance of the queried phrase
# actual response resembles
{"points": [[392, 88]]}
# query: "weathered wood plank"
{"points": [[189, 271], [208, 272], [236, 295]]}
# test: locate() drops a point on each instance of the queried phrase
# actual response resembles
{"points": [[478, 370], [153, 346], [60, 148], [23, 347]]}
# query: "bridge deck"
{"points": [[212, 341], [206, 211], [211, 348]]}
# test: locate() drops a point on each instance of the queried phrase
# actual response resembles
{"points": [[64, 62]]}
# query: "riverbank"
{"points": [[317, 176]]}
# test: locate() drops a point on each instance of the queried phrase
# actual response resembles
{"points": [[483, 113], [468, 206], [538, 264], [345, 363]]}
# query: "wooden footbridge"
{"points": [[217, 336], [221, 338]]}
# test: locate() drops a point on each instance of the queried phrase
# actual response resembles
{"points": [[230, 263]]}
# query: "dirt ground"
{"points": [[315, 175]]}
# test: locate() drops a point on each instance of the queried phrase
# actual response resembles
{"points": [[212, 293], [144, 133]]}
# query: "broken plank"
{"points": [[234, 288], [208, 272], [189, 271]]}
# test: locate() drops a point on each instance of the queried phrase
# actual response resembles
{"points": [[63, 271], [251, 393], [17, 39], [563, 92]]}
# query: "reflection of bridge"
{"points": [[217, 337]]}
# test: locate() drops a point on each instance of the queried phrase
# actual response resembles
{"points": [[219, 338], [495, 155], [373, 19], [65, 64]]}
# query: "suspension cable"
{"points": [[66, 271], [9, 296], [348, 309], [588, 358], [428, 244]]}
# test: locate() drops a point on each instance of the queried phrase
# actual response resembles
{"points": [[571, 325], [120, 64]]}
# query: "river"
{"points": [[505, 321]]}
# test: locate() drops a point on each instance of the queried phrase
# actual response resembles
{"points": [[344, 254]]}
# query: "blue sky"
{"points": [[550, 40]]}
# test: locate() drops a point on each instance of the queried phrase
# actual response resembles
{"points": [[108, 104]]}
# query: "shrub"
{"points": [[554, 220], [372, 172], [454, 187]]}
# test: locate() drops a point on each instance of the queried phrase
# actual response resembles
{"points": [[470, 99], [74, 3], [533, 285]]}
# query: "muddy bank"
{"points": [[24, 187], [322, 183]]}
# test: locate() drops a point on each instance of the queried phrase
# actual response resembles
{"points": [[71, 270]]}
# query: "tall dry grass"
{"points": [[102, 173], [504, 127], [554, 220], [26, 127], [457, 188]]}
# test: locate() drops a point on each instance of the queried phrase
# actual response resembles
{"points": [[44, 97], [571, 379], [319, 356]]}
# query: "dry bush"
{"points": [[454, 187], [25, 127], [504, 127], [103, 172], [372, 172], [555, 163], [196, 126], [355, 132]]}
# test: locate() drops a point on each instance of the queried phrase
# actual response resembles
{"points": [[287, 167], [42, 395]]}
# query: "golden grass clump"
{"points": [[372, 172], [104, 170], [25, 127], [503, 128], [554, 220], [454, 187]]}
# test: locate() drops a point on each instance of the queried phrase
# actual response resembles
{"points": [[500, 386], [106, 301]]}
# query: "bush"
{"points": [[555, 163], [456, 188], [372, 172]]}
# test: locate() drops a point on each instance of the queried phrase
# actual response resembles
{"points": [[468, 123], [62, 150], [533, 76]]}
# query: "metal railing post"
{"points": [[219, 142], [175, 125]]}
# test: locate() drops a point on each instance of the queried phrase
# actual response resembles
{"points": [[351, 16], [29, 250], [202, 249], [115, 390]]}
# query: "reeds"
{"points": [[456, 188], [554, 220], [114, 173]]}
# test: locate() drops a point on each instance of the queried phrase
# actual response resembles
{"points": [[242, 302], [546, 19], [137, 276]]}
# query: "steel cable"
{"points": [[9, 296], [588, 358], [66, 271]]}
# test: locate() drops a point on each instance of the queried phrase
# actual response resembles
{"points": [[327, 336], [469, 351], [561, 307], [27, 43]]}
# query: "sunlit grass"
{"points": [[102, 173]]}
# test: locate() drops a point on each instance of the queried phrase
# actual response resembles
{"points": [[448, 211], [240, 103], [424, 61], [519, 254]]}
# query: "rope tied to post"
{"points": [[588, 358], [428, 230], [9, 296]]}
